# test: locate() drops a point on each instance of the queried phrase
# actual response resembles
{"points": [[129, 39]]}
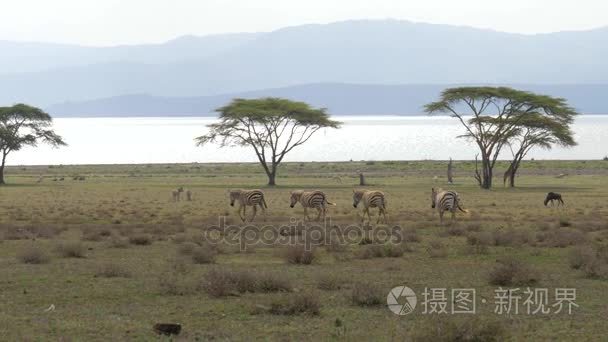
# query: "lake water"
{"points": [[170, 140]]}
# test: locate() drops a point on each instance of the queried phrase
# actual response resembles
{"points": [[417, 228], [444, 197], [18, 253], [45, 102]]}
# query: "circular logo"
{"points": [[401, 300]]}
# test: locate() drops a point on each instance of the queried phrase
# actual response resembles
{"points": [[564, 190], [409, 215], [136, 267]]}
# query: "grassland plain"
{"points": [[115, 255]]}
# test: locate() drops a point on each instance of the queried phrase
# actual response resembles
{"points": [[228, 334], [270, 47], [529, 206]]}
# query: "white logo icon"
{"points": [[408, 300]]}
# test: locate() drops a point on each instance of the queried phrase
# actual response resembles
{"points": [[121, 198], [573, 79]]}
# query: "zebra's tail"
{"points": [[328, 202], [460, 208], [264, 202]]}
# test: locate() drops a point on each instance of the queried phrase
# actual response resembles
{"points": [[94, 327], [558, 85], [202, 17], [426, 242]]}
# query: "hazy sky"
{"points": [[108, 22]]}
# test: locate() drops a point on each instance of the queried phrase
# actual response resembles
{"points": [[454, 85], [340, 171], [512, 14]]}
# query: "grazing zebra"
{"points": [[253, 198], [554, 196], [445, 200], [177, 194], [371, 199], [311, 199]]}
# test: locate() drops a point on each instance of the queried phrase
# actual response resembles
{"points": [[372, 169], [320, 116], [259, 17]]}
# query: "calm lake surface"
{"points": [[170, 140]]}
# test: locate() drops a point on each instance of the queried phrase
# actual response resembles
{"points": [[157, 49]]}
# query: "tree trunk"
{"points": [[271, 179], [450, 172], [3, 162], [361, 179], [486, 181], [512, 179]]}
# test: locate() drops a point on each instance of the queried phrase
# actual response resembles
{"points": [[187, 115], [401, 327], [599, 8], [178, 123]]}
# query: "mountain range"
{"points": [[358, 60], [338, 98]]}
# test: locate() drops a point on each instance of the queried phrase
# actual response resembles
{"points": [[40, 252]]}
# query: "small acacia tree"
{"points": [[271, 126], [537, 131], [493, 115], [22, 125]]}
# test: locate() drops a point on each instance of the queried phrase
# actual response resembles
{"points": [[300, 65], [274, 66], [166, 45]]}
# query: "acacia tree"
{"points": [[537, 131], [22, 125], [492, 116], [271, 126]]}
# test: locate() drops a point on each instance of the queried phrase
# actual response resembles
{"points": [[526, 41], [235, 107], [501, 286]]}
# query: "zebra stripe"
{"points": [[311, 199], [371, 199], [445, 200], [252, 198]]}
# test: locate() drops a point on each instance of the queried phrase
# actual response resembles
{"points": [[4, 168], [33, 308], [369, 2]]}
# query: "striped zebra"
{"points": [[311, 199], [253, 198], [371, 199], [445, 200]]}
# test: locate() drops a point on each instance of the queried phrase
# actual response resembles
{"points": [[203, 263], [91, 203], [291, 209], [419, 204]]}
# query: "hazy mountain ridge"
{"points": [[363, 52], [339, 99]]}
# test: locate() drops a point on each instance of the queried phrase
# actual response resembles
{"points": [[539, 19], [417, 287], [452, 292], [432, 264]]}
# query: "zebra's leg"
{"points": [[369, 217], [244, 215], [453, 216], [319, 212], [255, 211], [306, 218], [441, 217], [263, 211]]}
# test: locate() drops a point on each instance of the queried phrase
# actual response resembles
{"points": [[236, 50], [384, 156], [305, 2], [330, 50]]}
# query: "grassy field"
{"points": [[115, 255]]}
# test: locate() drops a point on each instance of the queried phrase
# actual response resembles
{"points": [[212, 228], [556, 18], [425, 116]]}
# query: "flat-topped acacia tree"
{"points": [[493, 116], [22, 125], [271, 126]]}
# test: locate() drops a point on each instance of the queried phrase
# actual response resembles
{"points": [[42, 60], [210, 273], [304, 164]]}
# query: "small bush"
{"points": [[510, 271], [437, 249], [186, 248], [140, 240], [112, 270], [298, 254], [203, 255], [71, 249], [581, 256], [268, 282], [453, 328], [329, 282], [367, 294], [564, 222], [174, 280], [118, 242], [298, 304], [410, 235], [220, 282], [561, 237], [33, 255], [592, 260]]}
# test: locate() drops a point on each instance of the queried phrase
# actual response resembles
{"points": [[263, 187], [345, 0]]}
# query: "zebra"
{"points": [[246, 198], [311, 199], [554, 196], [188, 195], [445, 200], [177, 194], [371, 199]]}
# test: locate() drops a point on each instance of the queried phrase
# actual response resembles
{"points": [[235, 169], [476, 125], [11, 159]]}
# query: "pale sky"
{"points": [[110, 22]]}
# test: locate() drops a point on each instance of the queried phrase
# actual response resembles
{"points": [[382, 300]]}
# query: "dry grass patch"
{"points": [[453, 328], [300, 254], [140, 240], [33, 255], [329, 282], [71, 249], [367, 294], [512, 272], [112, 270], [221, 282], [297, 304]]}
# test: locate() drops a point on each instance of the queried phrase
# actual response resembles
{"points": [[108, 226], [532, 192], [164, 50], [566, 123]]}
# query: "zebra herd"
{"points": [[441, 200]]}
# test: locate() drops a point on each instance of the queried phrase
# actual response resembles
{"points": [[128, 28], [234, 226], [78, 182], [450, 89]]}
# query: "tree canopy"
{"points": [[493, 116], [22, 125], [271, 126]]}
